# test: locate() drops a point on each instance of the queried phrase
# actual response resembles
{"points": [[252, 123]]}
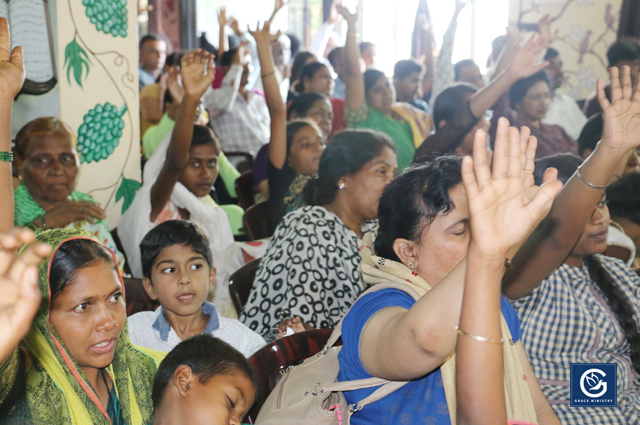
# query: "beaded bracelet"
{"points": [[6, 156], [479, 338]]}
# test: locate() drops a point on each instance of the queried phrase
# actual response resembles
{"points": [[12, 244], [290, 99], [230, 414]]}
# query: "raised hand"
{"points": [[174, 84], [264, 35], [525, 61], [69, 211], [351, 18], [502, 215], [18, 285], [222, 17], [12, 71], [235, 26], [545, 28], [460, 4], [621, 131], [277, 7], [197, 72]]}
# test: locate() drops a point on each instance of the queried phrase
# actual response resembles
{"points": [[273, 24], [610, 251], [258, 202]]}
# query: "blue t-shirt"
{"points": [[421, 401]]}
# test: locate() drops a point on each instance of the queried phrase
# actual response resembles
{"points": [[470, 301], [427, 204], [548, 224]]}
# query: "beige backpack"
{"points": [[310, 394]]}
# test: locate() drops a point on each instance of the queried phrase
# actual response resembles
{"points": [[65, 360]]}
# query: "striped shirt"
{"points": [[567, 320]]}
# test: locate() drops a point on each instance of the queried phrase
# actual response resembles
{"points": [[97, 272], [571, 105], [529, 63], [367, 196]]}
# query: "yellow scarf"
{"points": [[419, 121], [518, 398]]}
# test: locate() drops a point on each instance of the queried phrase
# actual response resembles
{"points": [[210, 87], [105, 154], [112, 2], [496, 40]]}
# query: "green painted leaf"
{"points": [[76, 60], [127, 190], [100, 133]]}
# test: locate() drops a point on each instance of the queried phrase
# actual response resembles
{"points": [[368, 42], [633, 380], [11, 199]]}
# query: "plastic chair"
{"points": [[137, 298], [257, 221], [241, 282], [244, 189], [273, 360]]}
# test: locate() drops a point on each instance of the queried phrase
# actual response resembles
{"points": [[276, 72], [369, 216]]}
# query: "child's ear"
{"points": [[148, 287], [183, 379], [212, 278]]}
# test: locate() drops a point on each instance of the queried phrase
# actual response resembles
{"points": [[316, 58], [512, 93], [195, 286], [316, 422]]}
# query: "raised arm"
{"points": [[11, 78], [277, 108], [223, 41], [220, 100], [500, 219], [18, 284], [197, 75], [523, 64], [556, 236], [354, 91], [444, 67]]}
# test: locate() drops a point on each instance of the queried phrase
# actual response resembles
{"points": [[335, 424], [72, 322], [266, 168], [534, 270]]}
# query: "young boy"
{"points": [[203, 378], [177, 269]]}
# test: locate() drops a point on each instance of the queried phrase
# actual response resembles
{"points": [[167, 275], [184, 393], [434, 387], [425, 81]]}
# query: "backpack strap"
{"points": [[387, 386]]}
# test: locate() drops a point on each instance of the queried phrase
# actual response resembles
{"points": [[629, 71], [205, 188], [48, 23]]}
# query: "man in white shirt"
{"points": [[563, 110], [239, 117]]}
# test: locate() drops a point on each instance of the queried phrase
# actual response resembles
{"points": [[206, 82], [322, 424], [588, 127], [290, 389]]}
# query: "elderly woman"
{"points": [[370, 102], [311, 267], [76, 365], [47, 162]]}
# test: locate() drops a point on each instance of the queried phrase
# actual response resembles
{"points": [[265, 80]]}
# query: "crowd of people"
{"points": [[501, 219]]}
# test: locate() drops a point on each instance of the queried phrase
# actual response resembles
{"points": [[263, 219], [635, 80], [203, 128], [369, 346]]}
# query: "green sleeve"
{"points": [[154, 135], [229, 174]]}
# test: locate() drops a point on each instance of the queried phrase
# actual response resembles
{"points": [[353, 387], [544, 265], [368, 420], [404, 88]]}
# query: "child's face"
{"points": [[225, 399], [202, 171], [180, 280]]}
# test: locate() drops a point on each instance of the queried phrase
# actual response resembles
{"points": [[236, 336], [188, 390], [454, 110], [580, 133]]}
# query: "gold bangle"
{"points": [[479, 338]]}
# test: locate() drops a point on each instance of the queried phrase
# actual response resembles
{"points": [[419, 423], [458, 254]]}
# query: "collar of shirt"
{"points": [[163, 328]]}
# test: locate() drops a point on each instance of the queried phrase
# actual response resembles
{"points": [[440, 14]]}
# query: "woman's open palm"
{"points": [[622, 115], [197, 71], [502, 212], [18, 285], [12, 71]]}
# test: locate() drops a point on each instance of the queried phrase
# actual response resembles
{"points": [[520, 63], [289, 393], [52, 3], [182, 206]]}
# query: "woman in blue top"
{"points": [[423, 234]]}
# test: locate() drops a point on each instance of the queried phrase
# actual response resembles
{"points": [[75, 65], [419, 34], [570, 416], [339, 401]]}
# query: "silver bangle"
{"points": [[589, 183]]}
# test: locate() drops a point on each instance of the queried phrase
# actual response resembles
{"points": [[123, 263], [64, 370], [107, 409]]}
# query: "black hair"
{"points": [[293, 127], [450, 100], [413, 200], [168, 234], [623, 51], [299, 62], [405, 68], [345, 155], [498, 44], [301, 104], [295, 43], [149, 37], [591, 133], [73, 256], [457, 68], [174, 59], [567, 164], [227, 57], [551, 53], [623, 197], [307, 72], [365, 45], [208, 357], [331, 57], [519, 89], [371, 77], [203, 135]]}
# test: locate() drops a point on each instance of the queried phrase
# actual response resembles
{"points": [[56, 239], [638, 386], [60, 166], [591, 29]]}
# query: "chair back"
{"points": [[241, 282], [137, 298], [244, 164], [257, 221], [244, 189], [273, 360], [118, 242]]}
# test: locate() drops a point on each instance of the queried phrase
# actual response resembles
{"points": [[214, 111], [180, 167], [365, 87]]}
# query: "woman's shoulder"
{"points": [[310, 220]]}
